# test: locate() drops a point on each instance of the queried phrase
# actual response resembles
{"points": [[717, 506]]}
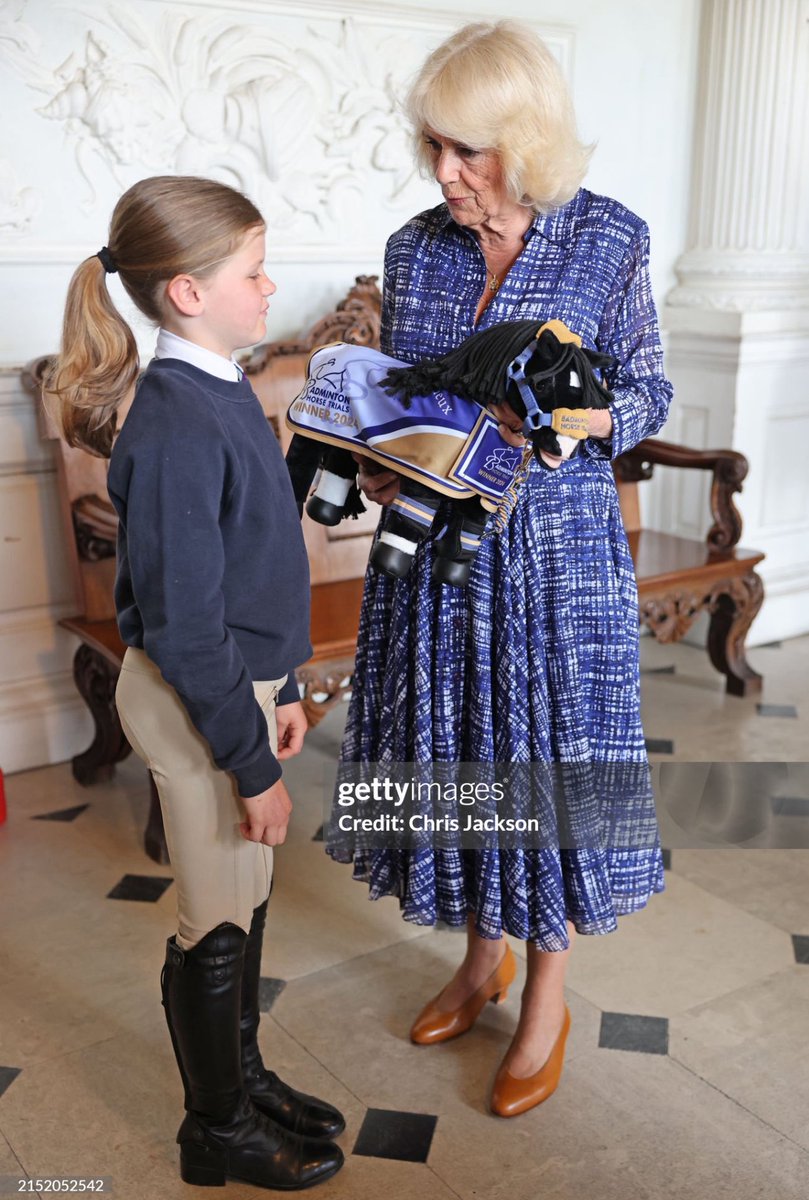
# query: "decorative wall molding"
{"points": [[298, 105], [42, 720], [742, 280], [16, 622], [18, 205]]}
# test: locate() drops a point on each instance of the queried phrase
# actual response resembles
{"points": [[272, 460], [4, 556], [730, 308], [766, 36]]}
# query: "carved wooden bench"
{"points": [[678, 578]]}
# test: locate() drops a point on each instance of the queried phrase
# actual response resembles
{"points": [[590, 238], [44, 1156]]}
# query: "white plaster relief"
{"points": [[305, 120], [18, 42], [19, 45], [18, 205]]}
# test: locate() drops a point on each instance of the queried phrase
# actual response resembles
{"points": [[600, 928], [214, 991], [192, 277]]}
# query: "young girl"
{"points": [[212, 596]]}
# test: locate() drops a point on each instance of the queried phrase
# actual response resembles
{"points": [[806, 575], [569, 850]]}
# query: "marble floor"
{"points": [[687, 1074]]}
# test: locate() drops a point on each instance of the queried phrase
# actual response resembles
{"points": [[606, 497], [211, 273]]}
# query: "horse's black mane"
{"points": [[477, 369]]}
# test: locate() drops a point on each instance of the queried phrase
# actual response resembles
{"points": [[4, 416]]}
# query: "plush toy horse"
{"points": [[426, 422]]}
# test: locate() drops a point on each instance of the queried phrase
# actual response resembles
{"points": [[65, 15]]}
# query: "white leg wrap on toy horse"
{"points": [[332, 488], [399, 543]]}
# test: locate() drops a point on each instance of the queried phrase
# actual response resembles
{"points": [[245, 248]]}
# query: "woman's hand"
{"points": [[379, 485], [600, 425], [267, 815], [291, 722], [508, 424], [510, 428]]}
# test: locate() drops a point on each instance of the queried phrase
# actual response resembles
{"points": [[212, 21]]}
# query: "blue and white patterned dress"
{"points": [[537, 659]]}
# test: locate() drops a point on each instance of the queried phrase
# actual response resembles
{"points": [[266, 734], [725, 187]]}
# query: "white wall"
{"points": [[295, 103]]}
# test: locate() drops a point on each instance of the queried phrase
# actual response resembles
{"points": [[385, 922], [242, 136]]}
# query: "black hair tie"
{"points": [[107, 261]]}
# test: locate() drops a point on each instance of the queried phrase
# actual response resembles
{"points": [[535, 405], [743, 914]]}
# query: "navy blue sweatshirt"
{"points": [[213, 579]]}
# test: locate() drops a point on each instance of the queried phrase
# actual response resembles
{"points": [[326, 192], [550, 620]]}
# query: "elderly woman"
{"points": [[537, 660]]}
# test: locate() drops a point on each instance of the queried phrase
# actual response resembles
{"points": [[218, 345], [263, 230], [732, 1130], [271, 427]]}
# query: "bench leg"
{"points": [[154, 837], [96, 678], [325, 685], [732, 613]]}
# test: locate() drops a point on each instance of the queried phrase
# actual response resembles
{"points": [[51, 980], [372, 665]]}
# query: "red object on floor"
{"points": [[2, 800]]}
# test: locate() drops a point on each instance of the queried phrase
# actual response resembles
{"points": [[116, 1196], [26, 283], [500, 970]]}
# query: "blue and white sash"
{"points": [[444, 441]]}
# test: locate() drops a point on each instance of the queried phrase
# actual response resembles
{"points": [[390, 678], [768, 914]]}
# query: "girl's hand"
{"points": [[292, 725], [378, 484], [267, 815]]}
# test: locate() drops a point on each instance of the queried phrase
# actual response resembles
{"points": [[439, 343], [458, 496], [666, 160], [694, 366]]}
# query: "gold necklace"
{"points": [[494, 282]]}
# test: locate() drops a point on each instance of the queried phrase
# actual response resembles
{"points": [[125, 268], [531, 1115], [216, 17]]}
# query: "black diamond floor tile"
{"points": [[666, 859], [140, 887], [790, 806], [62, 814], [318, 835], [800, 944], [268, 992], [7, 1077], [771, 646], [659, 746], [628, 1031], [669, 670], [776, 710], [386, 1133]]}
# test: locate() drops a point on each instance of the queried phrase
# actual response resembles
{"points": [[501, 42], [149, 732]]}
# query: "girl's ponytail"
{"points": [[97, 366], [163, 226]]}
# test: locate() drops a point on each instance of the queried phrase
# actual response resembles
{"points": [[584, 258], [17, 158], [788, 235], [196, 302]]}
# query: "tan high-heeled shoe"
{"points": [[432, 1025], [511, 1096]]}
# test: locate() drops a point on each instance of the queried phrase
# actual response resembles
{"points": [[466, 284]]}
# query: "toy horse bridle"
{"points": [[561, 420]]}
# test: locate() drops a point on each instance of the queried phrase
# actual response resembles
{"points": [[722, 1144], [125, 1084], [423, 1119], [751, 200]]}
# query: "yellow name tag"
{"points": [[571, 422]]}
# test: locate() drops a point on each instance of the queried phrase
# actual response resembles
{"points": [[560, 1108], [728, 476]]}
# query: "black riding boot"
{"points": [[302, 1114], [223, 1135]]}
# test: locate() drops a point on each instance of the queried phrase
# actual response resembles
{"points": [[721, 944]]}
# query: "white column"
{"points": [[738, 320], [748, 246]]}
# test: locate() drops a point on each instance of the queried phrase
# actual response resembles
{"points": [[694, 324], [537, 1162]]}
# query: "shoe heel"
{"points": [[500, 997], [196, 1167]]}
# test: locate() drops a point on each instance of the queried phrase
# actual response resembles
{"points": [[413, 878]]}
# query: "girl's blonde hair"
{"points": [[496, 86], [163, 226]]}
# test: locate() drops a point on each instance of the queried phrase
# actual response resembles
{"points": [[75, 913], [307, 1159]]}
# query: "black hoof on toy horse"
{"points": [[448, 570], [323, 512], [391, 560]]}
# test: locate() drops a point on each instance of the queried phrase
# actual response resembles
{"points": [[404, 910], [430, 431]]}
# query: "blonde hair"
{"points": [[496, 86], [161, 227]]}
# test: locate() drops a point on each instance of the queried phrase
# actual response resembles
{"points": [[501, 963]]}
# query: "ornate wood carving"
{"points": [[733, 612], [154, 836], [355, 319], [96, 679], [670, 617], [95, 522], [324, 686], [729, 470], [733, 605], [631, 468]]}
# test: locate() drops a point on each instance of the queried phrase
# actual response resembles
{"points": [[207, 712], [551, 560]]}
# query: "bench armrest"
{"points": [[729, 469]]}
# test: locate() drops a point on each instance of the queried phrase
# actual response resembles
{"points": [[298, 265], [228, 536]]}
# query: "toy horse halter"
{"points": [[535, 418]]}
